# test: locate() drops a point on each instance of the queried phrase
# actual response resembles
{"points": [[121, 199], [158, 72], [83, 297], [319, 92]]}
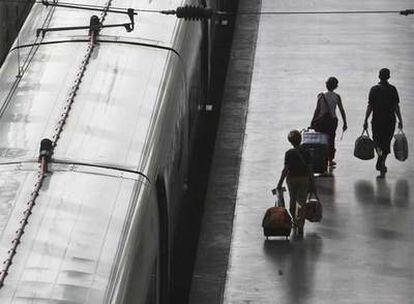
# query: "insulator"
{"points": [[27, 212], [94, 25], [46, 148], [192, 12], [407, 12]]}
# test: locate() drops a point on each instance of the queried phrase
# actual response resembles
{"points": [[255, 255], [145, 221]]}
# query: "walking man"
{"points": [[383, 103]]}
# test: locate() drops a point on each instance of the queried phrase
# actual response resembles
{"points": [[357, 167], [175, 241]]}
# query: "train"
{"points": [[113, 90]]}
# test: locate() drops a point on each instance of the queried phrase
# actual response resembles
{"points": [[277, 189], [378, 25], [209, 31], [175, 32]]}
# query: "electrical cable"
{"points": [[223, 13], [314, 12]]}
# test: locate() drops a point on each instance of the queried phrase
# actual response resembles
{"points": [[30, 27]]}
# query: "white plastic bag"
{"points": [[400, 146]]}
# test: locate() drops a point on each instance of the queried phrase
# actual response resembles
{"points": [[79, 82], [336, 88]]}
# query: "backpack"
{"points": [[326, 122]]}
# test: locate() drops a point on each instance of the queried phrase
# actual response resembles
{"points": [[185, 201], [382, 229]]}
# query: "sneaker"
{"points": [[382, 172], [382, 175]]}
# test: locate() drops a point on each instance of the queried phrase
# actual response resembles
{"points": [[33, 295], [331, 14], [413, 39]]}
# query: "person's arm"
{"points": [[341, 109], [367, 114], [282, 177], [311, 179], [397, 109], [371, 98], [398, 112]]}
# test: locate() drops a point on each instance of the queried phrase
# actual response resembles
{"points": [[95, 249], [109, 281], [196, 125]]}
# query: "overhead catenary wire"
{"points": [[404, 12], [408, 11], [224, 13]]}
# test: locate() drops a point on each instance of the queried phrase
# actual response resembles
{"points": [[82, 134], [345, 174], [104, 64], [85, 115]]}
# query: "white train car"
{"points": [[121, 117]]}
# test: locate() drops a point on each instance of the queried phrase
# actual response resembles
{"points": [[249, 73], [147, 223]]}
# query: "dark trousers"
{"points": [[382, 133]]}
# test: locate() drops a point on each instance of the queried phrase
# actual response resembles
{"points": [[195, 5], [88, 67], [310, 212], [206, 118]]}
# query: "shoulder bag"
{"points": [[325, 122]]}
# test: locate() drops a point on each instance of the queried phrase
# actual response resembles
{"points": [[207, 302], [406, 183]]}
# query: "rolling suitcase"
{"points": [[277, 221], [316, 143]]}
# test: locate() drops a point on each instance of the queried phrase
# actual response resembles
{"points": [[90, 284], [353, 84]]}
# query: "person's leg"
{"points": [[294, 187], [331, 142], [300, 221], [301, 197], [383, 169], [387, 143], [384, 143], [377, 134], [292, 210], [292, 195], [379, 162], [331, 148]]}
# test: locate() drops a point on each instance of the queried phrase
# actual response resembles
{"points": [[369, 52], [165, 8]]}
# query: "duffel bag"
{"points": [[364, 146], [400, 146], [312, 210]]}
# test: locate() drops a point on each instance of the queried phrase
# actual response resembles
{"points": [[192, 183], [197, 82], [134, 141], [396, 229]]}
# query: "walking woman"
{"points": [[299, 178], [325, 120], [383, 103]]}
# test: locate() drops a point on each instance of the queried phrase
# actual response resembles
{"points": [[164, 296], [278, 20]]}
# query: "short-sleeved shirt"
{"points": [[294, 164], [384, 99]]}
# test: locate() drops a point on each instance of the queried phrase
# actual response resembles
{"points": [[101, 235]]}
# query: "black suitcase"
{"points": [[316, 143]]}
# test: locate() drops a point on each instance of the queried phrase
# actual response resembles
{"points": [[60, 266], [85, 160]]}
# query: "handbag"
{"points": [[364, 146], [312, 209], [400, 146], [324, 123]]}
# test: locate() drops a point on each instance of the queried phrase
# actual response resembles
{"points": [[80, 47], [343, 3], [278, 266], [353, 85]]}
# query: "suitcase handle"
{"points": [[274, 190], [312, 192], [365, 131]]}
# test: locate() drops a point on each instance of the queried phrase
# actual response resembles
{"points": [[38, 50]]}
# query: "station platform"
{"points": [[361, 251]]}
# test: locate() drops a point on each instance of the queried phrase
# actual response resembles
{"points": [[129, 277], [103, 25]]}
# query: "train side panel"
{"points": [[74, 245]]}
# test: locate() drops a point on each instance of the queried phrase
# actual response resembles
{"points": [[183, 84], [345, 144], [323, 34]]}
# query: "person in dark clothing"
{"points": [[383, 103], [299, 178], [327, 103]]}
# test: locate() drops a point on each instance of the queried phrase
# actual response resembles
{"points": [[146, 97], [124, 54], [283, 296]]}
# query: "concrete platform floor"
{"points": [[362, 250]]}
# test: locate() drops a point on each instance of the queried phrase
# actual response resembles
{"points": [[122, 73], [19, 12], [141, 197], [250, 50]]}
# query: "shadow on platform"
{"points": [[295, 262]]}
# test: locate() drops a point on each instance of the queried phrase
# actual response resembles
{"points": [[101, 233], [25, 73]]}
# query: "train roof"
{"points": [[79, 225], [119, 89]]}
